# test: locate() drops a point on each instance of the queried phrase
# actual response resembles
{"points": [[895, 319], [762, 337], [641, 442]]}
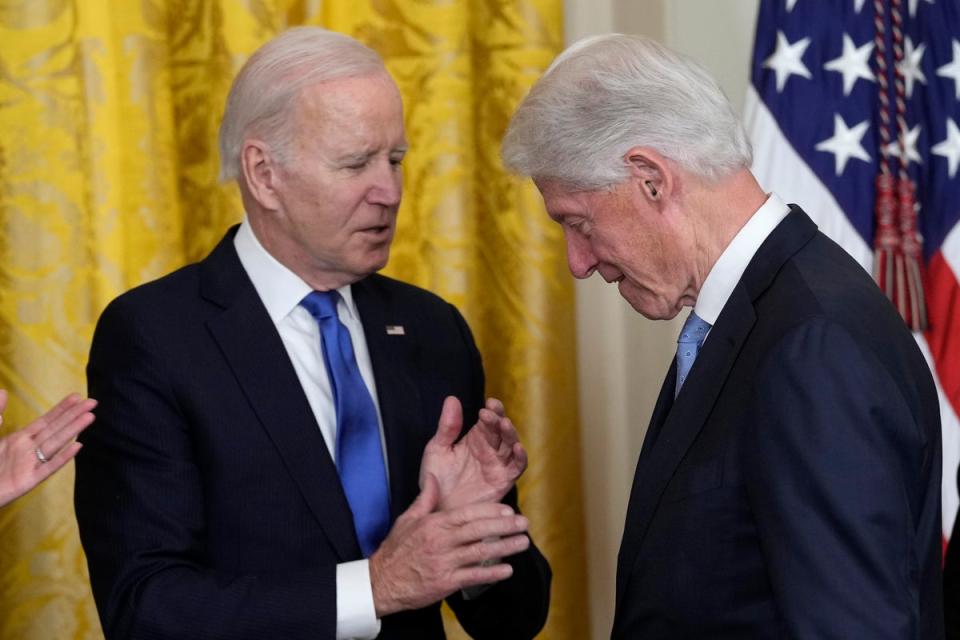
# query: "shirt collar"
{"points": [[280, 289], [731, 264]]}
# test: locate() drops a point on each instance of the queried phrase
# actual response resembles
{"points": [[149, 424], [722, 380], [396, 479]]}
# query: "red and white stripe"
{"points": [[941, 346]]}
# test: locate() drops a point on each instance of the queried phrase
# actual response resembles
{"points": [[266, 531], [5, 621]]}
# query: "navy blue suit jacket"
{"points": [[792, 490], [951, 581], [208, 504]]}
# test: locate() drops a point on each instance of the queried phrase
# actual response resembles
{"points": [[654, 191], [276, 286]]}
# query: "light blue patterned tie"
{"points": [[359, 453], [688, 346]]}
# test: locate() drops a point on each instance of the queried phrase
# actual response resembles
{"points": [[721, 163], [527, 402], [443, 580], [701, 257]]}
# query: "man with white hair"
{"points": [[267, 462], [788, 484]]}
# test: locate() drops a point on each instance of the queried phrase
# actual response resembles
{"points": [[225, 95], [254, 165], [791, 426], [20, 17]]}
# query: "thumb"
{"points": [[428, 499], [450, 424]]}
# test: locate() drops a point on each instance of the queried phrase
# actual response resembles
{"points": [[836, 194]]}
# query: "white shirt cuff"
{"points": [[356, 616]]}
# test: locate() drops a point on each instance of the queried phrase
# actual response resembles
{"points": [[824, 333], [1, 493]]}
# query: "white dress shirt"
{"points": [[729, 267], [281, 291]]}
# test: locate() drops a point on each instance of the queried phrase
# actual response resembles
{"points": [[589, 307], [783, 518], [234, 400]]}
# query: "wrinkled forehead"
{"points": [[552, 188], [561, 200], [351, 95], [359, 113]]}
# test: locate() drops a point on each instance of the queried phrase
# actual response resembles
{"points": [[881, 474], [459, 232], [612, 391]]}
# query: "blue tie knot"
{"points": [[694, 330], [321, 304], [691, 338]]}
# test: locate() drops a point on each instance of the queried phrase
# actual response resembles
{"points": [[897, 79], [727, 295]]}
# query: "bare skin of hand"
{"points": [[429, 554], [53, 433], [483, 466]]}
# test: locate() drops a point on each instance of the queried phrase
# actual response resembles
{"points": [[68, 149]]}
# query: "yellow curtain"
{"points": [[108, 118]]}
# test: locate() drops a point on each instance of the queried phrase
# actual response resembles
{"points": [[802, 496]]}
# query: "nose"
{"points": [[387, 185], [580, 256]]}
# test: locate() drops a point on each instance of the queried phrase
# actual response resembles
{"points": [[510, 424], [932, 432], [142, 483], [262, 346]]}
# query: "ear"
{"points": [[652, 173], [260, 173]]}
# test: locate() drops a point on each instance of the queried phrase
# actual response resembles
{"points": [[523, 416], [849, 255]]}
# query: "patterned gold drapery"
{"points": [[108, 163]]}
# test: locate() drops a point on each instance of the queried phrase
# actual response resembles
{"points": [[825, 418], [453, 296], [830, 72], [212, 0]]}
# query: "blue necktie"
{"points": [[359, 454], [688, 346]]}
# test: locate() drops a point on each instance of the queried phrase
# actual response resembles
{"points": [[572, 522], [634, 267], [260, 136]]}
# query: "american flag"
{"points": [[813, 112]]}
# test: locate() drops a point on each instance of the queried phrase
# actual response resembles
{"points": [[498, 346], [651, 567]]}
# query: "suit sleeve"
{"points": [[951, 582], [840, 478], [140, 507], [515, 608]]}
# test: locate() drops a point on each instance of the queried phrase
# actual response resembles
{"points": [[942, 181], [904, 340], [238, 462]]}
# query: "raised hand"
{"points": [[483, 466], [430, 554], [32, 454]]}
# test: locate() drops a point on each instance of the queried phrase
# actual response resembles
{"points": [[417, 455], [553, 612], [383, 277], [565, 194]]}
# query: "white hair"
{"points": [[264, 92], [607, 94]]}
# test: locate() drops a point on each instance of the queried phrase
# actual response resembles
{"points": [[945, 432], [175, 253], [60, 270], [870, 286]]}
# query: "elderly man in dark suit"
{"points": [[788, 485], [271, 459]]}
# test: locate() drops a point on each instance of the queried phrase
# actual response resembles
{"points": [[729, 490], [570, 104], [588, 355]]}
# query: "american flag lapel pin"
{"points": [[395, 330]]}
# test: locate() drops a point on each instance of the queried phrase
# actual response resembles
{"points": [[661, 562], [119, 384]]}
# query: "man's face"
{"points": [[619, 233], [340, 189]]}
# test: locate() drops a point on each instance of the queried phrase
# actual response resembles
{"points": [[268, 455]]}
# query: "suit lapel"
{"points": [[392, 353], [661, 410], [675, 427], [253, 348], [682, 424]]}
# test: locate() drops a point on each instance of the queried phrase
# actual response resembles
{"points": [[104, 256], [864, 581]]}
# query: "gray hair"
{"points": [[265, 90], [607, 94]]}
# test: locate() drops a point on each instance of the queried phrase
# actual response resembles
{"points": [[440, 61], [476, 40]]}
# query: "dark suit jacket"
{"points": [[951, 581], [208, 504], [792, 489]]}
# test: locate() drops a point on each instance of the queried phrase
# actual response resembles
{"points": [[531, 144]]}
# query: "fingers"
{"points": [[477, 575], [429, 555], [488, 425], [450, 424], [62, 424], [66, 428], [508, 433], [3, 403], [520, 453], [475, 534], [519, 461], [479, 511], [53, 464], [52, 415], [490, 529], [501, 435], [496, 406], [492, 549]]}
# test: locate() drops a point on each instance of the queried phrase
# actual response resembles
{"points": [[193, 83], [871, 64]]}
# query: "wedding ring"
{"points": [[40, 456]]}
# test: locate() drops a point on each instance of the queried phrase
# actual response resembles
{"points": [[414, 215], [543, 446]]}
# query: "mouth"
{"points": [[378, 230], [610, 273]]}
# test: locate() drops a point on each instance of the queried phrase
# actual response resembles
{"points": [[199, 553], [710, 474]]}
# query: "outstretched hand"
{"points": [[483, 466], [50, 437]]}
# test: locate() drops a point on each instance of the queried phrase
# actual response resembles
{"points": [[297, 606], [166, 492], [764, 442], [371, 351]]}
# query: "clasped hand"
{"points": [[456, 532], [483, 466]]}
